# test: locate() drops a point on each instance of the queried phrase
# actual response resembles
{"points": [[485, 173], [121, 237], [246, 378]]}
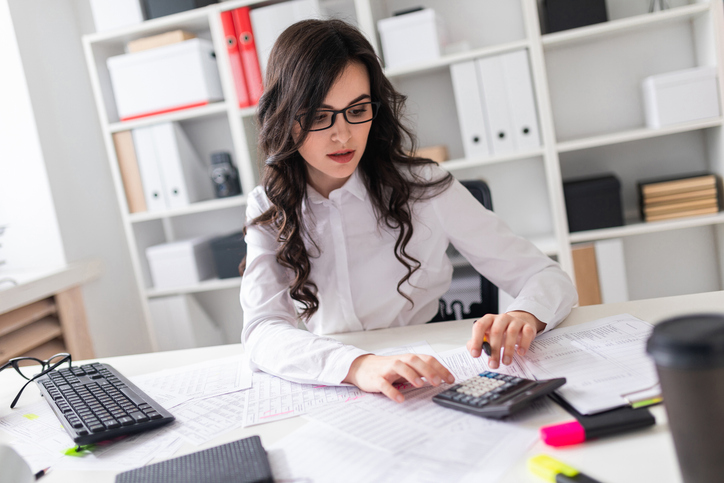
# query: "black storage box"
{"points": [[228, 252], [161, 8], [570, 14], [593, 203]]}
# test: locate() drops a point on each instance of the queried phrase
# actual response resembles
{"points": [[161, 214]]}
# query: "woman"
{"points": [[347, 232]]}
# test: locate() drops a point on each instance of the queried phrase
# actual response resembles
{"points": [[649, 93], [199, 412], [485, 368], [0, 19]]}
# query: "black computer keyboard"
{"points": [[95, 402], [494, 395]]}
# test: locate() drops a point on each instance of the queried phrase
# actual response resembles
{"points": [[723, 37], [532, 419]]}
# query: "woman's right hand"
{"points": [[373, 373]]}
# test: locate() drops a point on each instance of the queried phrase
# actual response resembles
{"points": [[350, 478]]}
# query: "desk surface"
{"points": [[38, 284], [646, 455]]}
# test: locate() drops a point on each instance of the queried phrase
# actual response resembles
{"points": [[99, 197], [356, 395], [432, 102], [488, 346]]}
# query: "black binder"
{"points": [[242, 461]]}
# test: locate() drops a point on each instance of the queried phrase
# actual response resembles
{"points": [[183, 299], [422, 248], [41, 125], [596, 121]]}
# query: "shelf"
{"points": [[184, 114], [23, 340], [193, 20], [641, 228], [465, 163], [446, 60], [634, 135], [198, 207], [19, 318], [34, 285], [247, 111], [205, 286], [614, 27], [47, 350]]}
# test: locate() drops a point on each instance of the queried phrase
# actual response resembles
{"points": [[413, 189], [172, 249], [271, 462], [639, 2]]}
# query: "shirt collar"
{"points": [[353, 185]]}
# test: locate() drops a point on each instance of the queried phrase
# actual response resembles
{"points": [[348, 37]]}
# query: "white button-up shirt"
{"points": [[356, 274]]}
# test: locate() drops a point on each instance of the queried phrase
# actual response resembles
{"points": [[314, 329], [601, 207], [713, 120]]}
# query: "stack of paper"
{"points": [[602, 361]]}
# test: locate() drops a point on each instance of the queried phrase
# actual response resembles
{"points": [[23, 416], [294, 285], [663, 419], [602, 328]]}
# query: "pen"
{"points": [[553, 470], [41, 473], [486, 346]]}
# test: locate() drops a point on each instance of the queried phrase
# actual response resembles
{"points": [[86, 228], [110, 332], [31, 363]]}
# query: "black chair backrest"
{"points": [[451, 308]]}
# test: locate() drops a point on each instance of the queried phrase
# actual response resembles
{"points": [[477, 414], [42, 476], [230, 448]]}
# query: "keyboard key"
{"points": [[126, 421], [139, 417]]}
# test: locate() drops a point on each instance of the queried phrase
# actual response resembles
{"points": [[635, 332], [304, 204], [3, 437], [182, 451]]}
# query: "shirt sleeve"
{"points": [[271, 337], [509, 261]]}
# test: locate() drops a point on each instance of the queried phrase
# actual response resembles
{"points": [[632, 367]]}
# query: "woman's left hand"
{"points": [[504, 331]]}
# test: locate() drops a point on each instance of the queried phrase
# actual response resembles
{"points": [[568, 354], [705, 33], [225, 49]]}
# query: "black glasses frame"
{"points": [[47, 366], [375, 109]]}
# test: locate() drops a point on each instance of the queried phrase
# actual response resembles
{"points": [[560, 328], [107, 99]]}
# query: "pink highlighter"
{"points": [[590, 427], [563, 434]]}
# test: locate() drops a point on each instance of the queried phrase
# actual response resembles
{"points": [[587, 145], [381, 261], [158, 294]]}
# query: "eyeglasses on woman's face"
{"points": [[323, 119]]}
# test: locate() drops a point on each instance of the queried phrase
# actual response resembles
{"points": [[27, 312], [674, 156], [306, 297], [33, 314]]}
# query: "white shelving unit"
{"points": [[590, 110]]}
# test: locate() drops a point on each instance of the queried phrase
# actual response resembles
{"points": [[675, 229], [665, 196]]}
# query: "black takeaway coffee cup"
{"points": [[689, 356]]}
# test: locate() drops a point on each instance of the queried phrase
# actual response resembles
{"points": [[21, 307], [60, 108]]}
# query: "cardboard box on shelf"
{"points": [[154, 41]]}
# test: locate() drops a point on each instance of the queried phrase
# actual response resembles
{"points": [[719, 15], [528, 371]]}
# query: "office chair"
{"points": [[451, 307]]}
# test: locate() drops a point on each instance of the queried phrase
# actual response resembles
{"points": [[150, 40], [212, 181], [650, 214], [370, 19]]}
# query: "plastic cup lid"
{"points": [[691, 341]]}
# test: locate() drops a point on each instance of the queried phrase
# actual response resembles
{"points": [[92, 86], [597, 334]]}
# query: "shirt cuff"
{"points": [[541, 312], [337, 368]]}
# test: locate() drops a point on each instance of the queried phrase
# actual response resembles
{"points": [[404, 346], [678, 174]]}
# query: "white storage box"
{"points": [[114, 14], [412, 38], [180, 263], [681, 96], [164, 79]]}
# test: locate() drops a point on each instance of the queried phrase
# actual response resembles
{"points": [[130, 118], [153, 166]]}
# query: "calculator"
{"points": [[494, 395]]}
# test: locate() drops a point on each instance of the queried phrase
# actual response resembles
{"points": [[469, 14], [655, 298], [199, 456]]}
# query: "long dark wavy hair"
{"points": [[305, 62]]}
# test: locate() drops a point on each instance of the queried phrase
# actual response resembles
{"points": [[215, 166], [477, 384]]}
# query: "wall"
{"points": [[32, 238], [49, 39]]}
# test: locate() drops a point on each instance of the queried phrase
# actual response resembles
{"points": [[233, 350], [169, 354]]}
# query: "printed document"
{"points": [[464, 366], [375, 439], [601, 360], [271, 398], [207, 379]]}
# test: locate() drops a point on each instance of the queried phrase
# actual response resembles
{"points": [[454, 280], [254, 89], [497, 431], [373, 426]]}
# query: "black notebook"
{"points": [[242, 461]]}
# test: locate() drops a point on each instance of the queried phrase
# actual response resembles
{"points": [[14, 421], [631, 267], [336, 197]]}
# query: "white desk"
{"points": [[646, 455]]}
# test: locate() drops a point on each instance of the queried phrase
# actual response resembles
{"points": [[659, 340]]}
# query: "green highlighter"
{"points": [[556, 472]]}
